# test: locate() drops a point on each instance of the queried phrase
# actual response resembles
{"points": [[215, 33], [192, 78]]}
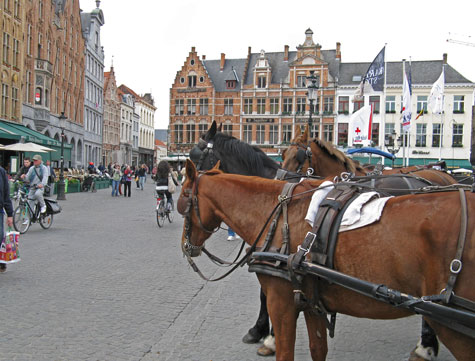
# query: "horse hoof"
{"points": [[265, 351], [250, 338], [422, 354]]}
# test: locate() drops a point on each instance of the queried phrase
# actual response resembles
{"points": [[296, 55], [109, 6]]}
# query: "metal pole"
{"points": [[61, 196], [310, 116]]}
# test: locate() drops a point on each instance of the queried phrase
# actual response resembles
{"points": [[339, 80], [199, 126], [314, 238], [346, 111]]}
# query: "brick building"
{"points": [[111, 129], [259, 99], [11, 54], [54, 72]]}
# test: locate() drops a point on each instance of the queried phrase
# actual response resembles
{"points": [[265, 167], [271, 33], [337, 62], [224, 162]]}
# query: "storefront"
{"points": [[14, 133]]}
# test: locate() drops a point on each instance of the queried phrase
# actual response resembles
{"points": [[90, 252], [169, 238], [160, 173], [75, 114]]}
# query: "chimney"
{"points": [[203, 57], [223, 60], [286, 53], [444, 59], [338, 51], [192, 49], [249, 50], [319, 48]]}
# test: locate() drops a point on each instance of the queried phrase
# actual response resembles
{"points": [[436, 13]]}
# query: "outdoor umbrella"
{"points": [[27, 147]]}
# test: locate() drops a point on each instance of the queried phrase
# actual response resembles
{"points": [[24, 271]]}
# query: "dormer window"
{"points": [[261, 81], [230, 84]]}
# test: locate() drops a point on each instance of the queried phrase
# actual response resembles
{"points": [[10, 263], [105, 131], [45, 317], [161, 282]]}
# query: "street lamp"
{"points": [[390, 143], [312, 94], [61, 186]]}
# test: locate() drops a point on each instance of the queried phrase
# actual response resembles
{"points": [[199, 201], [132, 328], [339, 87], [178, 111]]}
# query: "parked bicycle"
{"points": [[28, 211], [163, 209], [89, 184]]}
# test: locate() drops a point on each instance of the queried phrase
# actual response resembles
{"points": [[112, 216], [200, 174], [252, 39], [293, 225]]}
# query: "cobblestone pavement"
{"points": [[105, 283]]}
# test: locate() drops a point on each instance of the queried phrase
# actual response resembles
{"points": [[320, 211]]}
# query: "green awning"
{"points": [[15, 132]]}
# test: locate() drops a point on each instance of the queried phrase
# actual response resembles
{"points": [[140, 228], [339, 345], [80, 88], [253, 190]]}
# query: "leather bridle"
{"points": [[189, 200], [304, 153], [206, 148]]}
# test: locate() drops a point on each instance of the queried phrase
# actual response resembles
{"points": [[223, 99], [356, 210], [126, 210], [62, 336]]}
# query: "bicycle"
{"points": [[163, 208], [24, 214], [89, 184]]}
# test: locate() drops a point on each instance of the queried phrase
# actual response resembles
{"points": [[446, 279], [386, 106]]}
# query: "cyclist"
{"points": [[24, 168], [37, 176], [161, 178], [5, 206]]}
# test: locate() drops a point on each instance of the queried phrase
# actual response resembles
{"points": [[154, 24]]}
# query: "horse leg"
{"points": [[280, 304], [461, 346], [428, 346], [317, 336], [261, 328]]}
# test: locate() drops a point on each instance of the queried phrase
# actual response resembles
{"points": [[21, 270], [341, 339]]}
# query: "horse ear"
{"points": [[297, 131], [212, 130], [220, 127], [190, 170], [216, 167]]}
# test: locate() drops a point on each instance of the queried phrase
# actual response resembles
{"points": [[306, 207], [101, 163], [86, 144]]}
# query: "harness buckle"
{"points": [[455, 266], [311, 237]]}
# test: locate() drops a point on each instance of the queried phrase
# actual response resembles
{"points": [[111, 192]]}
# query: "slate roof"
{"points": [[423, 72], [219, 77]]}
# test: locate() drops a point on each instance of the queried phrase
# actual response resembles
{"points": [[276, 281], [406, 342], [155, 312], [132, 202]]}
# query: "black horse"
{"points": [[238, 157]]}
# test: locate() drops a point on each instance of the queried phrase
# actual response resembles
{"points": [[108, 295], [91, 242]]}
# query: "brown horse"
{"points": [[393, 251], [326, 161]]}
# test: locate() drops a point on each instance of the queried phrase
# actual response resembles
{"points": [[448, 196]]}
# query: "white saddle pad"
{"points": [[364, 210]]}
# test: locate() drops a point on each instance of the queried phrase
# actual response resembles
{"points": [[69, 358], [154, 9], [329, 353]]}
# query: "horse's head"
{"points": [[202, 154], [200, 220], [297, 157]]}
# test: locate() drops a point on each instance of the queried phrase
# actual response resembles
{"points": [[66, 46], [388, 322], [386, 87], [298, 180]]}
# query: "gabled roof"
{"points": [[159, 143]]}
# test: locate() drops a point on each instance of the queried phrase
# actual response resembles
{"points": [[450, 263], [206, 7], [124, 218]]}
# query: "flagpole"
{"points": [[402, 128], [442, 117], [409, 130], [383, 106]]}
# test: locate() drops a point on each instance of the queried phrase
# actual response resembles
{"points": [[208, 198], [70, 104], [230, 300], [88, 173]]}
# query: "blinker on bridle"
{"points": [[188, 200], [303, 154]]}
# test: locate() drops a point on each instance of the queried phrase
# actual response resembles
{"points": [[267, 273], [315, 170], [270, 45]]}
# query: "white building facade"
{"points": [[93, 86], [431, 137]]}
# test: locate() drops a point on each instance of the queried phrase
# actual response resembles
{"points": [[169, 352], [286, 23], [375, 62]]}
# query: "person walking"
{"points": [[128, 174], [116, 175], [6, 206], [141, 174], [37, 176], [161, 178]]}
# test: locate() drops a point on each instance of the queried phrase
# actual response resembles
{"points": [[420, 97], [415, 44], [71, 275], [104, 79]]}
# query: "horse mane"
{"points": [[329, 148], [251, 157]]}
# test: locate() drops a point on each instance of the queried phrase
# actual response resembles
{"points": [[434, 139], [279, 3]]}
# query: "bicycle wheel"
{"points": [[170, 215], [46, 220], [161, 214], [21, 219]]}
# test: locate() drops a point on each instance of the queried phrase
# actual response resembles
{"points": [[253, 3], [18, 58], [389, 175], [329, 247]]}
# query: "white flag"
{"points": [[436, 97], [360, 125], [406, 104]]}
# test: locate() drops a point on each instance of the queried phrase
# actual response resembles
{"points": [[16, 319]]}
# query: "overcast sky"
{"points": [[149, 40]]}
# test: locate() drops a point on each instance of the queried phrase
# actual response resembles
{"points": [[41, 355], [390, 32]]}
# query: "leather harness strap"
{"points": [[456, 264]]}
